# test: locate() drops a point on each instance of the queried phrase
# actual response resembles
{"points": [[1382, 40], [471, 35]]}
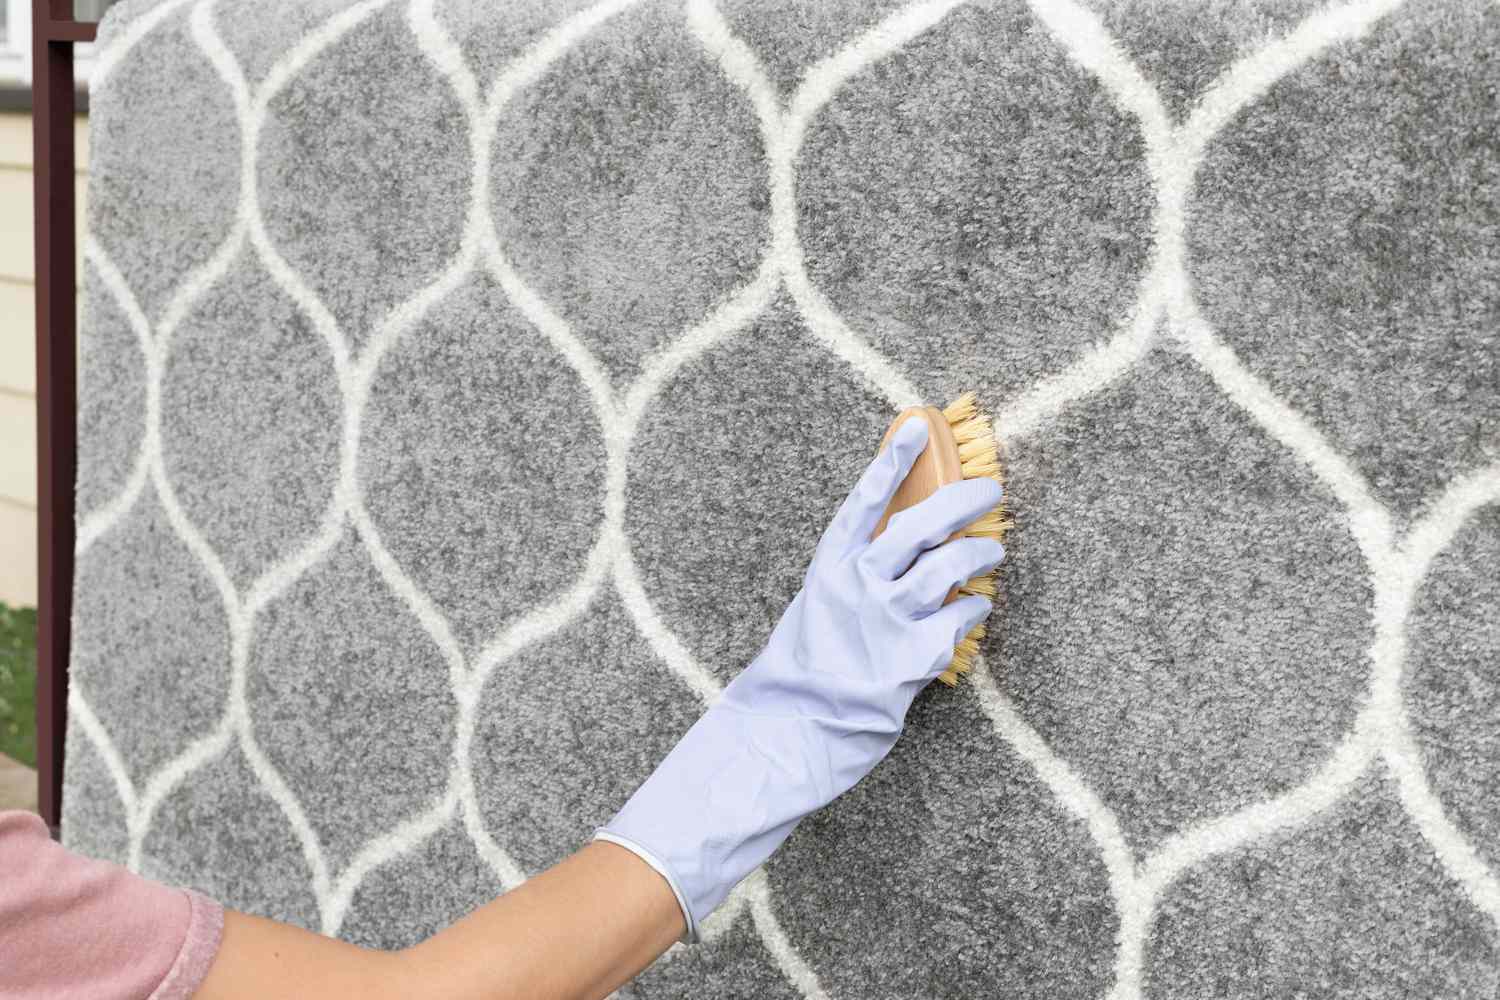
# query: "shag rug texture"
{"points": [[464, 387]]}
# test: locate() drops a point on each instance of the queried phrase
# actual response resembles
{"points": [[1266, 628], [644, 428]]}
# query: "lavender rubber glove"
{"points": [[825, 699]]}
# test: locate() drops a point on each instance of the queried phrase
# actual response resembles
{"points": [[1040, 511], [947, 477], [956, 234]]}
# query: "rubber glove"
{"points": [[824, 701]]}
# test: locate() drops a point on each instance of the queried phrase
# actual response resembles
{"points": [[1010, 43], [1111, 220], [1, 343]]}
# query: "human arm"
{"points": [[816, 710], [577, 930]]}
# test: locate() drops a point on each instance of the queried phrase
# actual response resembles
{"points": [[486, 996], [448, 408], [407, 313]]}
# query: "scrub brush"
{"points": [[960, 445]]}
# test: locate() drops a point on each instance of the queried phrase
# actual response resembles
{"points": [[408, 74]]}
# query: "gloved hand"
{"points": [[825, 699]]}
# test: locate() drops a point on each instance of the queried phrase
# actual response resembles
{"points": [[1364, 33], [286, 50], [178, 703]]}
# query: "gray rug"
{"points": [[464, 389]]}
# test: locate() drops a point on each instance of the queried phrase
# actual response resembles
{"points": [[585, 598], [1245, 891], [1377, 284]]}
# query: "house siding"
{"points": [[18, 545]]}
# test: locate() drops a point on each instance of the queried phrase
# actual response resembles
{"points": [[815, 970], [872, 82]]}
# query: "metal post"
{"points": [[53, 105]]}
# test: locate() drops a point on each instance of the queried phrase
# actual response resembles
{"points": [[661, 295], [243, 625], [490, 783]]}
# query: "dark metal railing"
{"points": [[54, 103]]}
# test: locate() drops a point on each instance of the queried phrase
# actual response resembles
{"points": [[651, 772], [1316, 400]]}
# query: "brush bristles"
{"points": [[992, 524], [961, 409], [964, 655], [975, 428], [984, 586], [979, 458], [976, 450]]}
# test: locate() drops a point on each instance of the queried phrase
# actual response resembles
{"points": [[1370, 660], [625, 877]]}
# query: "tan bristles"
{"points": [[980, 468], [992, 524], [973, 429], [976, 450], [964, 655], [985, 586], [961, 409], [979, 458]]}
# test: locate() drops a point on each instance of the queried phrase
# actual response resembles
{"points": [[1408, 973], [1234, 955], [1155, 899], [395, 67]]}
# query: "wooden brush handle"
{"points": [[937, 466]]}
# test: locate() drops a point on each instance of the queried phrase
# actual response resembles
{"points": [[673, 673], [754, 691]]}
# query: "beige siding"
{"points": [[17, 262], [15, 139], [18, 358], [17, 348], [17, 553], [18, 448]]}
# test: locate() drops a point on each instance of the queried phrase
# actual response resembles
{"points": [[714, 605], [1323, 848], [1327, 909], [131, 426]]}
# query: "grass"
{"points": [[18, 683]]}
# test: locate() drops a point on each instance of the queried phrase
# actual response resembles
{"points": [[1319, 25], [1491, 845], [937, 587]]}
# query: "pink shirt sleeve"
{"points": [[73, 927]]}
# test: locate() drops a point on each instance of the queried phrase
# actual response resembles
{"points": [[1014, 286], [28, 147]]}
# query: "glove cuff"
{"points": [[721, 802], [689, 936]]}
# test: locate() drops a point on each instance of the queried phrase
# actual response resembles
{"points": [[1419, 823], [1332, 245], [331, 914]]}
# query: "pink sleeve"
{"points": [[73, 927]]}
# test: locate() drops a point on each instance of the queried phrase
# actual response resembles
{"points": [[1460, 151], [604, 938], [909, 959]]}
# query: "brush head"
{"points": [[961, 444]]}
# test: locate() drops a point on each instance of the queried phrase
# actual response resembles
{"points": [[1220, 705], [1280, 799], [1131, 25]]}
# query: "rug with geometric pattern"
{"points": [[464, 387]]}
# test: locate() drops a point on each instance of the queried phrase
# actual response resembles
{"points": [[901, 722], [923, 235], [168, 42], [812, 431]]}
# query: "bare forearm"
{"points": [[575, 932]]}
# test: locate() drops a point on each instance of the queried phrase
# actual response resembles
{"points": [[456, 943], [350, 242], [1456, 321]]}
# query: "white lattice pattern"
{"points": [[1164, 308]]}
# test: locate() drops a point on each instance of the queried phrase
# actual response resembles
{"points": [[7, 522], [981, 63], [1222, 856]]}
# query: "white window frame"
{"points": [[15, 50]]}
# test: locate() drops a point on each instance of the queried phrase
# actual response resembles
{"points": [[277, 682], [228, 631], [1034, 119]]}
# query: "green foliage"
{"points": [[18, 683]]}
